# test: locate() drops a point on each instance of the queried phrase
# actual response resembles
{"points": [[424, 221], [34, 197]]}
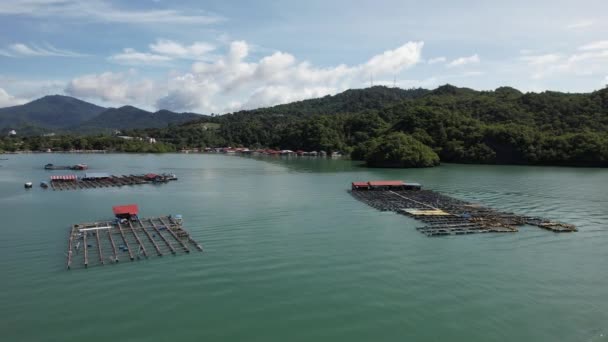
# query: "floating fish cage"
{"points": [[444, 215], [127, 237], [104, 180]]}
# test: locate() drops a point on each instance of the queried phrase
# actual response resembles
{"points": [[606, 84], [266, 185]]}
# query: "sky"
{"points": [[222, 56]]}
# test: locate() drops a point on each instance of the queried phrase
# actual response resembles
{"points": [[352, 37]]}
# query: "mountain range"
{"points": [[64, 114]]}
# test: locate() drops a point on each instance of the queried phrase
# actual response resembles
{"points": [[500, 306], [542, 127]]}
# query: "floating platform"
{"points": [[93, 181], [110, 242], [444, 215], [77, 167]]}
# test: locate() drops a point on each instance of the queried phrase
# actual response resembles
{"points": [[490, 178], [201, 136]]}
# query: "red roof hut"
{"points": [[125, 211]]}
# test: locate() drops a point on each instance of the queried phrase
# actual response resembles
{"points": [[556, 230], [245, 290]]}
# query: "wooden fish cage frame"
{"points": [[444, 215], [112, 181], [108, 242]]}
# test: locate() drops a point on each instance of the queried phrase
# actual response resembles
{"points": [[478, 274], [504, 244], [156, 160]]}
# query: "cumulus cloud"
{"points": [[233, 81], [20, 49], [103, 11], [171, 48], [118, 88], [273, 79], [7, 100], [393, 61], [464, 61]]}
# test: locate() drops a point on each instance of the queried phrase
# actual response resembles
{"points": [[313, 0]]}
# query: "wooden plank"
{"points": [[150, 237], [70, 241], [141, 245], [174, 235], [113, 245], [124, 239], [86, 256], [162, 236], [99, 245]]}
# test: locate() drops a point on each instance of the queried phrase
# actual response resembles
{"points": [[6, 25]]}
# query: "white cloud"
{"points": [[274, 79], [598, 45], [540, 60], [582, 24], [7, 100], [464, 61], [393, 61], [104, 11], [119, 88], [230, 81], [586, 63], [437, 60], [170, 48], [24, 50], [162, 52], [132, 57]]}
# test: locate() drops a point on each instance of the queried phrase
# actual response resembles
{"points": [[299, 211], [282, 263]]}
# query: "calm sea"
{"points": [[290, 256]]}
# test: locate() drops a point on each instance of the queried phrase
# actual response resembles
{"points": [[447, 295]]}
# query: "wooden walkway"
{"points": [[444, 215], [109, 242]]}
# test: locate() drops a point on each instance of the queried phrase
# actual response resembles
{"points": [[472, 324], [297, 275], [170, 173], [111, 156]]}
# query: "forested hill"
{"points": [[458, 124], [129, 117], [63, 114], [49, 112], [350, 101], [417, 127]]}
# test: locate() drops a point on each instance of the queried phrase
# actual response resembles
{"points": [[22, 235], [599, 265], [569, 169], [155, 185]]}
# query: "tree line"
{"points": [[415, 127]]}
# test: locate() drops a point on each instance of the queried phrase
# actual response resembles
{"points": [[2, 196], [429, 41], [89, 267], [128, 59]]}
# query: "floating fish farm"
{"points": [[444, 215], [127, 237], [104, 180]]}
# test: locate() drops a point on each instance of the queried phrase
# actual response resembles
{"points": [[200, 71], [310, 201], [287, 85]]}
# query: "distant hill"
{"points": [[129, 117], [504, 126], [64, 114], [49, 112], [349, 101]]}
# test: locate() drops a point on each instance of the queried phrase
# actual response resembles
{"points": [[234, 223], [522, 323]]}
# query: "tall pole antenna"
{"points": [[395, 81]]}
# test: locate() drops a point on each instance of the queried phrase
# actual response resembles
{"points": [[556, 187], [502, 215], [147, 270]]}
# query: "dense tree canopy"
{"points": [[457, 124], [397, 150]]}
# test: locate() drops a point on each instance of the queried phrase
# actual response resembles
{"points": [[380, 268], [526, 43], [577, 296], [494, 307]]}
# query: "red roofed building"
{"points": [[125, 211]]}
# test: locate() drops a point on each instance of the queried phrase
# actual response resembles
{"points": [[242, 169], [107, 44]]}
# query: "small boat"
{"points": [[28, 185], [44, 185], [49, 167], [80, 167]]}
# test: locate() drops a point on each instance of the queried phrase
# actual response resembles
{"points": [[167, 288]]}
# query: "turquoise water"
{"points": [[290, 256]]}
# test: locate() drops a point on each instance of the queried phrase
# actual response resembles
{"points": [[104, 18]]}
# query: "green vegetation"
{"points": [[397, 150], [64, 114], [460, 125], [396, 127], [70, 142]]}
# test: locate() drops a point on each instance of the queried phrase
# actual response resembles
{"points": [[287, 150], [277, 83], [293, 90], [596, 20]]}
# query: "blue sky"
{"points": [[221, 56]]}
